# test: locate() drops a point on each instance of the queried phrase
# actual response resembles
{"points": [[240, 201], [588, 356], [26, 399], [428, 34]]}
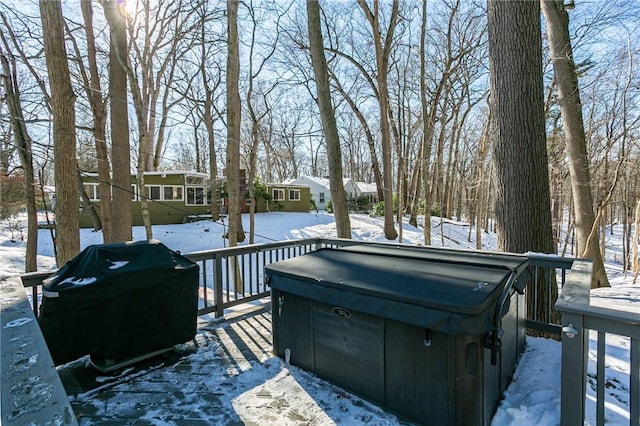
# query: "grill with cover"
{"points": [[119, 301]]}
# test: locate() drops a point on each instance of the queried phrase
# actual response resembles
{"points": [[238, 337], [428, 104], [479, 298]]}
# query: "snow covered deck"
{"points": [[226, 375]]}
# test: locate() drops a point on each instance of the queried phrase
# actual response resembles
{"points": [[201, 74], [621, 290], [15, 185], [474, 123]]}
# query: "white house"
{"points": [[320, 191], [368, 189]]}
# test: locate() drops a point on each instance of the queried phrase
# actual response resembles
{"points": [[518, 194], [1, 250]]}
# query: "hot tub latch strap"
{"points": [[493, 342], [280, 303]]}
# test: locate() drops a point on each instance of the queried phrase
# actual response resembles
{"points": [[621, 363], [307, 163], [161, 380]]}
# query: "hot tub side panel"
{"points": [[292, 328], [349, 349], [513, 338], [419, 378]]}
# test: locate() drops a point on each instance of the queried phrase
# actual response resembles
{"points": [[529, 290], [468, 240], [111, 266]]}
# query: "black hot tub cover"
{"points": [[450, 291], [120, 300]]}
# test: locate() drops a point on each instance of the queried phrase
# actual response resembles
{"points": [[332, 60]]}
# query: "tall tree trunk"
{"points": [[522, 204], [209, 124], [64, 131], [24, 144], [94, 94], [121, 204], [572, 122], [480, 197], [383, 51], [316, 48], [213, 171], [235, 233], [635, 256], [145, 150]]}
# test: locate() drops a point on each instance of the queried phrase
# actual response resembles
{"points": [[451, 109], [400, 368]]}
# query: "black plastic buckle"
{"points": [[494, 342]]}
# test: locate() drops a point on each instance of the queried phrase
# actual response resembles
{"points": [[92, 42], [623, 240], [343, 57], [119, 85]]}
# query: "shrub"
{"points": [[378, 208]]}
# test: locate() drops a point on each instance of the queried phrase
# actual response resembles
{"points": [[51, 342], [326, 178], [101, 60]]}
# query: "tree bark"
{"points": [[121, 204], [572, 122], [522, 203], [236, 233], [327, 115], [64, 131]]}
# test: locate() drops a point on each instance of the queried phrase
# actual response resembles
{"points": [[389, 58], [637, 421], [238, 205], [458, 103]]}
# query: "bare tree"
{"points": [[256, 66], [338, 196], [93, 91], [635, 242], [24, 144], [64, 131], [236, 233], [119, 118], [433, 98], [383, 50], [209, 85], [557, 20]]}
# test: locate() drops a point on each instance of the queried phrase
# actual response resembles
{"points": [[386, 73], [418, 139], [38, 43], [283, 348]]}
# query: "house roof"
{"points": [[167, 172], [288, 185], [367, 188], [318, 180]]}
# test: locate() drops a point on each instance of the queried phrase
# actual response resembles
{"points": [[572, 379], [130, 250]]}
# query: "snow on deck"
{"points": [[226, 375]]}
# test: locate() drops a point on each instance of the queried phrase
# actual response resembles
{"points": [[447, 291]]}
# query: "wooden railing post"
{"points": [[217, 285], [575, 343], [573, 377]]}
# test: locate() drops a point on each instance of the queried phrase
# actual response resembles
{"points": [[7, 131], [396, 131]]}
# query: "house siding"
{"points": [[286, 205], [162, 212]]}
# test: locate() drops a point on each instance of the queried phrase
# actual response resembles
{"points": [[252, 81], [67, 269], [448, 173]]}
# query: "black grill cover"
{"points": [[450, 291], [116, 301]]}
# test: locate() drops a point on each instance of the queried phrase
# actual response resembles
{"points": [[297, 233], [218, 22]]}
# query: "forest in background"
{"points": [[427, 111]]}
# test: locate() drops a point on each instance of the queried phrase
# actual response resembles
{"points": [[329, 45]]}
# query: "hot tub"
{"points": [[432, 335]]}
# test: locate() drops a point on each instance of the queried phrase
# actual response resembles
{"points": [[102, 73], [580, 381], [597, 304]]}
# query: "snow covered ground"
{"points": [[532, 399]]}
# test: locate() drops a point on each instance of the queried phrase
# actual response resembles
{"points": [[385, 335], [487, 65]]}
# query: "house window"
{"points": [[134, 192], [294, 195], [321, 197], [278, 194], [172, 193], [92, 191], [152, 192], [196, 196]]}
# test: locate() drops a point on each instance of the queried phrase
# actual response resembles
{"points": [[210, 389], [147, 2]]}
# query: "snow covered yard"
{"points": [[246, 388]]}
